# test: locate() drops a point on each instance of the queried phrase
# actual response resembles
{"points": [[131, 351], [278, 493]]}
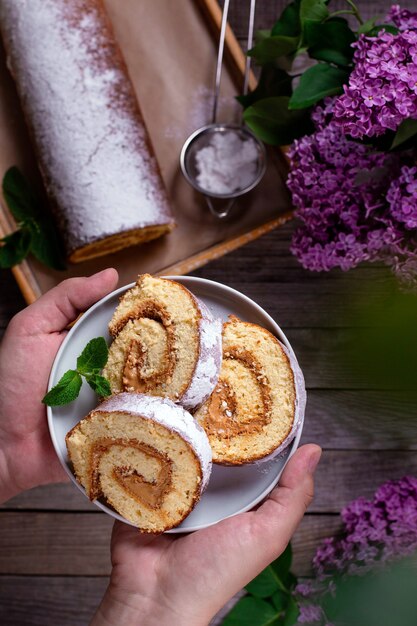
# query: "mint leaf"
{"points": [[272, 122], [19, 196], [316, 83], [250, 611], [93, 357], [270, 48], [65, 391], [280, 600], [44, 243], [100, 385], [25, 208], [14, 248]]}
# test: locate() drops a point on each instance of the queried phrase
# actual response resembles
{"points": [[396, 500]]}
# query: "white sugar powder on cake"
{"points": [[92, 144], [227, 164]]}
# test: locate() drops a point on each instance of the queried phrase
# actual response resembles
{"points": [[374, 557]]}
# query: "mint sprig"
{"points": [[36, 232], [89, 364]]}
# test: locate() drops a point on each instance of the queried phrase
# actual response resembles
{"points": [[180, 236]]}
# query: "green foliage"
{"points": [[304, 27], [272, 121], [14, 249], [314, 10], [406, 135], [269, 601], [91, 360], [93, 357], [330, 41], [289, 23], [270, 48], [316, 83], [273, 81], [65, 391], [36, 233]]}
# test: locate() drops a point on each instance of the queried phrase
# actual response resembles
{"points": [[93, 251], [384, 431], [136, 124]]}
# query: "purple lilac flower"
{"points": [[402, 18], [338, 187], [402, 197], [382, 88], [374, 532]]}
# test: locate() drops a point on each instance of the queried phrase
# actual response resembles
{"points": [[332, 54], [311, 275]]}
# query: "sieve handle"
{"points": [[220, 213], [220, 58]]}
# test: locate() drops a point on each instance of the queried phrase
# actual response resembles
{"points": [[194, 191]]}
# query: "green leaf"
{"points": [[65, 391], [270, 48], [265, 584], [282, 564], [45, 244], [389, 28], [290, 581], [280, 600], [288, 23], [93, 357], [14, 248], [407, 130], [316, 83], [99, 384], [330, 41], [19, 196], [315, 10], [273, 81], [251, 611], [367, 26], [291, 613], [272, 122]]}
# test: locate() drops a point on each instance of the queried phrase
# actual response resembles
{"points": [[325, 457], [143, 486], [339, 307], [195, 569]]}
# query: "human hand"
{"points": [[164, 580], [29, 346]]}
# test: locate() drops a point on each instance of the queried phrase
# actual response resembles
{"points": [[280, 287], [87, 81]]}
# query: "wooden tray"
{"points": [[170, 49]]}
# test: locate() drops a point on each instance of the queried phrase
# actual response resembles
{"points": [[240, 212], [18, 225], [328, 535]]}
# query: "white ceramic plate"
{"points": [[231, 490]]}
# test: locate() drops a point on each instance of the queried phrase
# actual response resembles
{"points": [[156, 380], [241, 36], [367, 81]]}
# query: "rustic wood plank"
{"points": [[76, 544], [63, 600], [341, 477], [49, 601]]}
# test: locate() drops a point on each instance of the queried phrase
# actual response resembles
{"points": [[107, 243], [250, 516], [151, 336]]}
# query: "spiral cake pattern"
{"points": [[251, 414], [166, 343], [145, 456]]}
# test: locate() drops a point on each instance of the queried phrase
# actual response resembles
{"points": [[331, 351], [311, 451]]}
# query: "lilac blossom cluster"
{"points": [[382, 89], [355, 204], [375, 532], [404, 19]]}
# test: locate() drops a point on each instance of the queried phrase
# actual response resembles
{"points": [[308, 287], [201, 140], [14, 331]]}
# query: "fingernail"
{"points": [[314, 460]]}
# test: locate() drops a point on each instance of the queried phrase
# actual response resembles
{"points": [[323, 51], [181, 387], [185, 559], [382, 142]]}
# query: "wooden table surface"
{"points": [[54, 546]]}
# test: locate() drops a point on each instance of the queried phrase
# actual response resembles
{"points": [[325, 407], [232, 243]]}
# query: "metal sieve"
{"points": [[202, 137]]}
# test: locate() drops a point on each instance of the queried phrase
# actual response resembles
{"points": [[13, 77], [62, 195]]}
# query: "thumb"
{"points": [[61, 305], [279, 516]]}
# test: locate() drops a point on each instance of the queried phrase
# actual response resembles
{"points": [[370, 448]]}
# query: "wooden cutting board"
{"points": [[170, 49]]}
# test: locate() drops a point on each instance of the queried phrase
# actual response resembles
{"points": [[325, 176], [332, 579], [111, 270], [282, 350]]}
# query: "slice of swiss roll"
{"points": [[165, 343], [146, 456], [259, 400]]}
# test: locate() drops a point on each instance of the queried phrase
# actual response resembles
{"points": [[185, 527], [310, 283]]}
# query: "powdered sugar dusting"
{"points": [[207, 369], [92, 144], [170, 415]]}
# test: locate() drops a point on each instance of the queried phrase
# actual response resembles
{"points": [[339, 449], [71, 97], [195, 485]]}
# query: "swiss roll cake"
{"points": [[254, 410], [165, 343], [145, 456], [93, 149]]}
